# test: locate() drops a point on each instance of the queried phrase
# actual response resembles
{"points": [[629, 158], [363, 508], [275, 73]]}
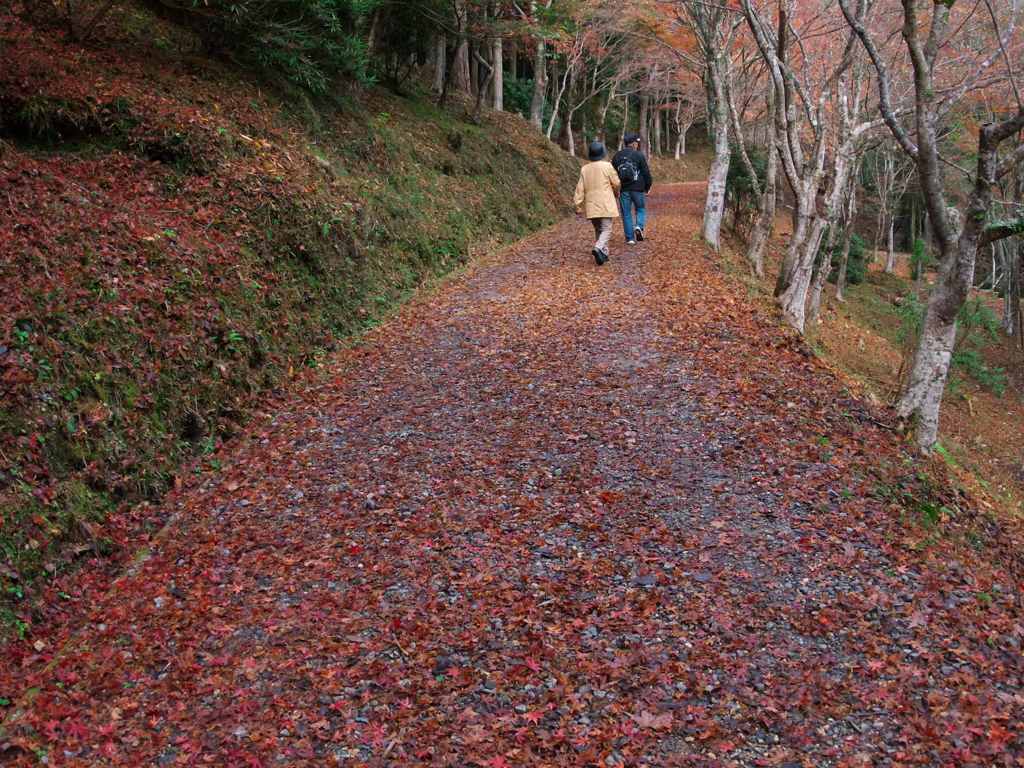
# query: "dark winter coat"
{"points": [[643, 184]]}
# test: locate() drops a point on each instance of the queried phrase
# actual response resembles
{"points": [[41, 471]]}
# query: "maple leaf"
{"points": [[497, 762], [533, 717], [76, 730], [376, 733]]}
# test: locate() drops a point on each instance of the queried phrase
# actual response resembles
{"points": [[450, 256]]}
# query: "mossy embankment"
{"points": [[176, 239]]}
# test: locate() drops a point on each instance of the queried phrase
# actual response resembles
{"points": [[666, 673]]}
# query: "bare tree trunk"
{"points": [[440, 56], [449, 70], [680, 134], [922, 399], [498, 74], [540, 72], [625, 121], [821, 272], [540, 76], [718, 113], [558, 98], [849, 215], [657, 130], [793, 300], [463, 78], [1011, 290], [482, 90], [930, 368], [645, 111], [602, 128], [890, 256], [474, 71]]}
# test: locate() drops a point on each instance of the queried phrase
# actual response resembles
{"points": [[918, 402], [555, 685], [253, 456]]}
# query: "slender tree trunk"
{"points": [[565, 82], [718, 112], [463, 79], [625, 121], [602, 127], [482, 91], [645, 111], [890, 256], [540, 77], [1008, 259], [440, 56], [475, 81], [449, 71], [498, 74], [657, 130], [849, 216], [679, 129]]}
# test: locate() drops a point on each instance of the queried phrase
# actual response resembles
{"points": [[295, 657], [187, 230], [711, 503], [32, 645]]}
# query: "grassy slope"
{"points": [[177, 240]]}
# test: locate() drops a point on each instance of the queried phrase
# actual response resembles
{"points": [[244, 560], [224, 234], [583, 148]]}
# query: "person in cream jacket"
{"points": [[597, 196]]}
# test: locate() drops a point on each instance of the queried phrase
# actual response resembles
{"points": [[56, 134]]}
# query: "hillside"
{"points": [[179, 240]]}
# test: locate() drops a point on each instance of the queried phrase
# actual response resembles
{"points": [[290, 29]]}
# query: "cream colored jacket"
{"points": [[597, 192]]}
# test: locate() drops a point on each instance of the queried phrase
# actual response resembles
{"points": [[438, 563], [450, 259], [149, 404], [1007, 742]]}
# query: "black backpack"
{"points": [[628, 171]]}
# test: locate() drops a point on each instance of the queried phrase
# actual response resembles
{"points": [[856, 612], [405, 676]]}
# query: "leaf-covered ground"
{"points": [[564, 516]]}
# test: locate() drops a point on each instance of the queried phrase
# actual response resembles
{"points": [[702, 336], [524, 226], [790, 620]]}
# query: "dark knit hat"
{"points": [[596, 150], [631, 137]]}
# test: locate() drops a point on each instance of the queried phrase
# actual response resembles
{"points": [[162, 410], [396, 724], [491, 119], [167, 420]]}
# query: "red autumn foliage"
{"points": [[557, 515]]}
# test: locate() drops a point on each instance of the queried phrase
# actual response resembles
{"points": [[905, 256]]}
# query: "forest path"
{"points": [[551, 514]]}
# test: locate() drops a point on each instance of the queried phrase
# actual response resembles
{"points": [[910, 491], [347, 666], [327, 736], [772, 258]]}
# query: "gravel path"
{"points": [[552, 515]]}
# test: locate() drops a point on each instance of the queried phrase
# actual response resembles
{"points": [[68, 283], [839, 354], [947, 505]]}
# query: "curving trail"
{"points": [[552, 515]]}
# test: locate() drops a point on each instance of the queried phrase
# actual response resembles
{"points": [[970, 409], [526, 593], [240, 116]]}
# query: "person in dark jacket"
{"points": [[635, 175]]}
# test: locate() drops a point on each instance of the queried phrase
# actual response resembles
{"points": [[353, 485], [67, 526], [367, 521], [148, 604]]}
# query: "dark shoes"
{"points": [[600, 257], [638, 235]]}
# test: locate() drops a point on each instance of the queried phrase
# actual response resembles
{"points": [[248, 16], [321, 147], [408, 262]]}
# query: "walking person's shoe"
{"points": [[639, 234], [600, 257], [631, 242]]}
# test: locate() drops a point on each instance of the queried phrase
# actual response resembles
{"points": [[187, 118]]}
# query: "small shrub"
{"points": [[978, 328], [856, 263], [518, 95], [739, 185], [920, 259]]}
